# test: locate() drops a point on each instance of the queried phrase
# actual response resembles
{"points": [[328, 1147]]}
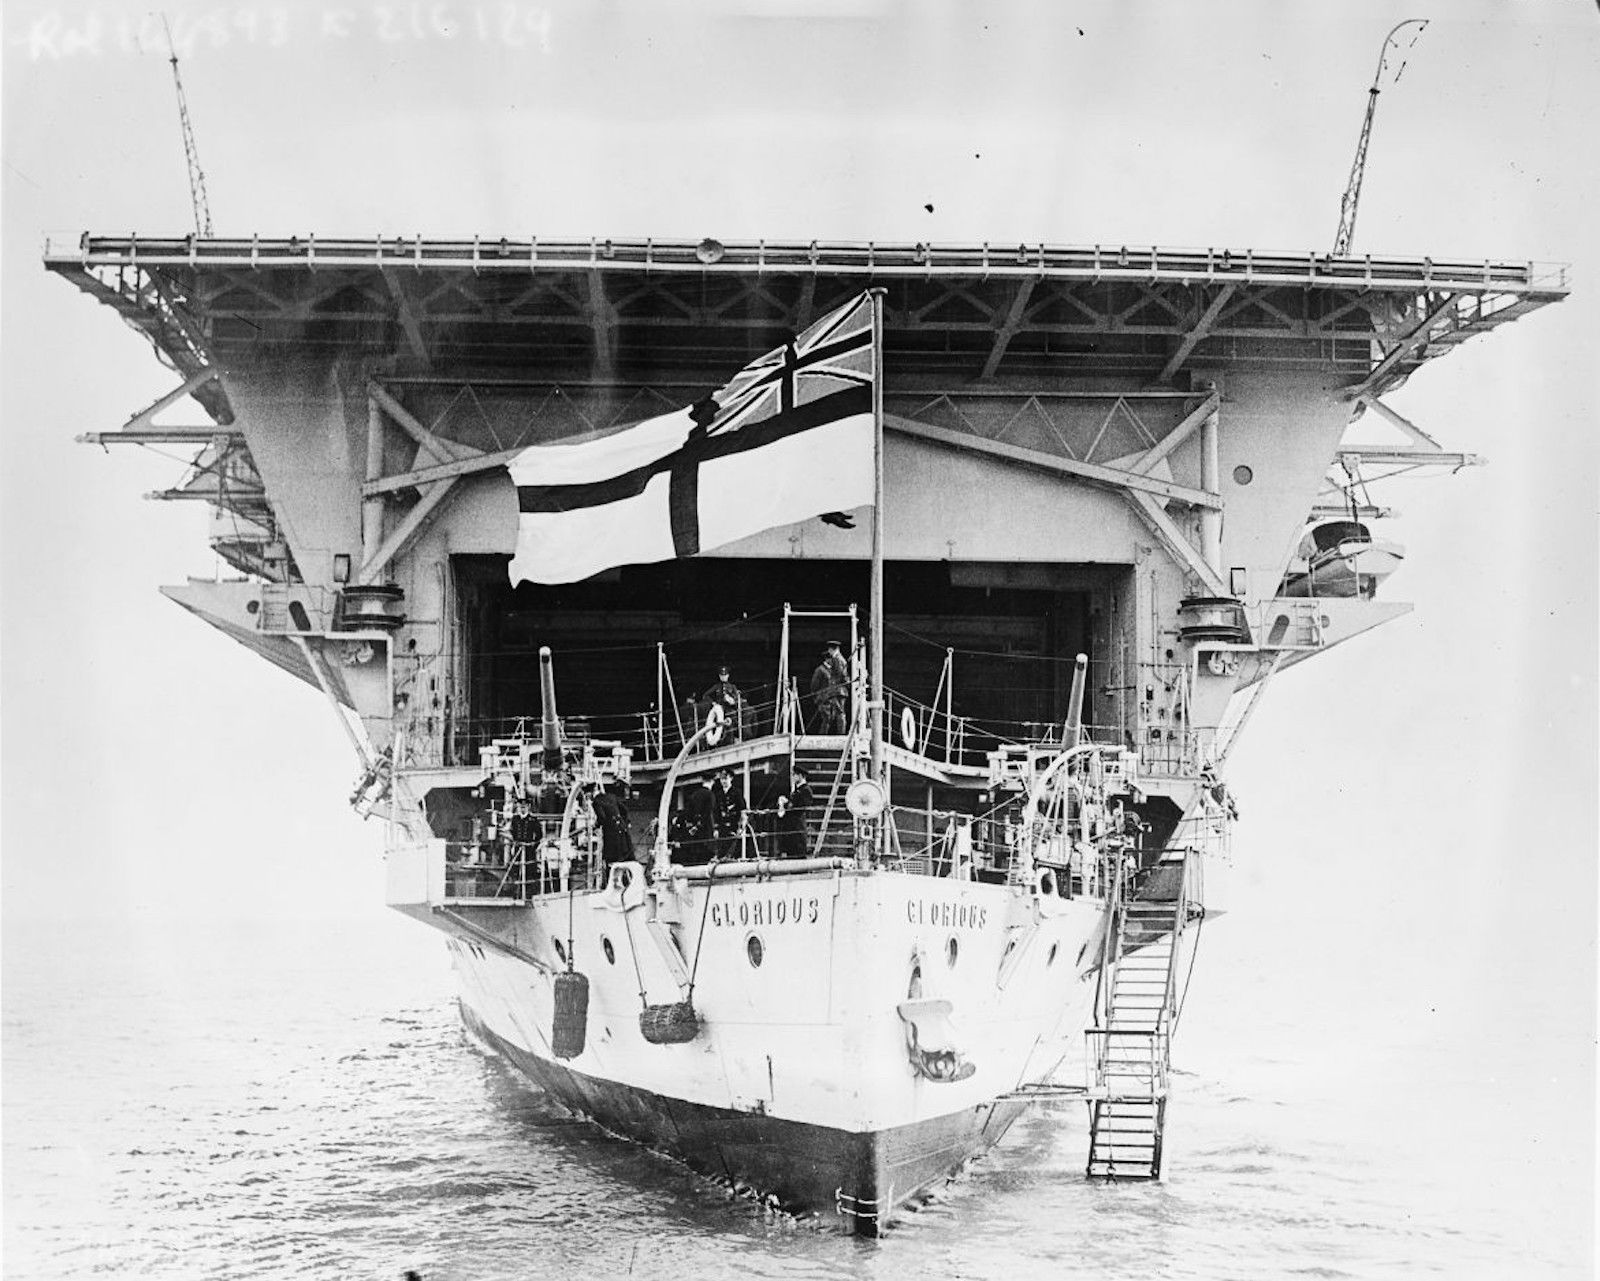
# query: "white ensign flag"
{"points": [[788, 438]]}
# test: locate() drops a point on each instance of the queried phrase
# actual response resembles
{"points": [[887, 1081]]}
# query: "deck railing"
{"points": [[437, 739], [868, 258]]}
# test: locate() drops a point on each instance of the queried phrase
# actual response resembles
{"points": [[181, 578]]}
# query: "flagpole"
{"points": [[875, 602]]}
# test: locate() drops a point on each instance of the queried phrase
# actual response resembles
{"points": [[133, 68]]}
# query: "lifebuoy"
{"points": [[908, 729], [715, 720]]}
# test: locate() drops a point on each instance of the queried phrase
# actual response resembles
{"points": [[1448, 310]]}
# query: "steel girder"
{"points": [[618, 311]]}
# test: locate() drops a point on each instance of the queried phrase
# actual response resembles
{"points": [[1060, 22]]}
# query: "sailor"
{"points": [[725, 694], [727, 811], [1218, 791], [697, 827], [830, 685], [793, 836], [1125, 822], [523, 830], [611, 817]]}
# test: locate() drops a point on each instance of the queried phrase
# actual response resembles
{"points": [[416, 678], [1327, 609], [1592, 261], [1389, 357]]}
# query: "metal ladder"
{"points": [[274, 615], [1130, 1050]]}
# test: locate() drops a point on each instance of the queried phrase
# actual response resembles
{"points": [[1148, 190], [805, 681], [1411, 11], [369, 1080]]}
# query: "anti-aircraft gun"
{"points": [[527, 766], [550, 727]]}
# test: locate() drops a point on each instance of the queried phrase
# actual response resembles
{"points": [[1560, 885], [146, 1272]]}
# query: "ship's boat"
{"points": [[1340, 558], [825, 926]]}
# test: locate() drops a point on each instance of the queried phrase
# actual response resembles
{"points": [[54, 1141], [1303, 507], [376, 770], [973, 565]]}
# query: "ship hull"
{"points": [[856, 1177], [802, 1082]]}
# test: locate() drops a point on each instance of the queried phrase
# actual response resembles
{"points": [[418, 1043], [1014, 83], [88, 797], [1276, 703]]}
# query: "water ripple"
{"points": [[339, 1123]]}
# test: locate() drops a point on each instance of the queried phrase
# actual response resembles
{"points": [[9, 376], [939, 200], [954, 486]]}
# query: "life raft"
{"points": [[570, 1024], [669, 1024]]}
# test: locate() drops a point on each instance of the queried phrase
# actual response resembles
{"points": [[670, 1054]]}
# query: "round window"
{"points": [[561, 951], [753, 950], [611, 952], [1051, 959], [951, 950], [1242, 475]]}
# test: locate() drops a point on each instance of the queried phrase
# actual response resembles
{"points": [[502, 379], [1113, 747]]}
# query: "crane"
{"points": [[191, 154], [1352, 191]]}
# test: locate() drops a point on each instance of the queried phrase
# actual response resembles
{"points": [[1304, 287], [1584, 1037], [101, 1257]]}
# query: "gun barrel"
{"points": [[1080, 674], [551, 725]]}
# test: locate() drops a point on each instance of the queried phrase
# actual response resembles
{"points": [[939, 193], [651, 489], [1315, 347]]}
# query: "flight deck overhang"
{"points": [[1050, 410], [670, 314]]}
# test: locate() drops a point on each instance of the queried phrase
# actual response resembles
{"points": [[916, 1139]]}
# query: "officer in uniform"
{"points": [[523, 830], [725, 694], [793, 835], [727, 808], [830, 685], [611, 817], [697, 827]]}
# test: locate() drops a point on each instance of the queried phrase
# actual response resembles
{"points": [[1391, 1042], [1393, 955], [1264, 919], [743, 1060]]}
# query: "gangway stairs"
{"points": [[830, 768], [1129, 1051]]}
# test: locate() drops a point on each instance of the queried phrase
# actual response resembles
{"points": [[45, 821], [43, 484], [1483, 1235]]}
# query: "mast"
{"points": [[875, 601], [1345, 237], [191, 153]]}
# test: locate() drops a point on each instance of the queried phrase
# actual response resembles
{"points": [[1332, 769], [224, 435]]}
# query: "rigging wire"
{"points": [[634, 952], [705, 911], [686, 639], [979, 653], [1188, 978]]}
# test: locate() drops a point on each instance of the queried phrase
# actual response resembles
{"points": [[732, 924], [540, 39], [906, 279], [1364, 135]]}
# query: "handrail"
{"points": [[845, 757], [1111, 935], [1030, 810], [1179, 917], [865, 258], [762, 868], [661, 856]]}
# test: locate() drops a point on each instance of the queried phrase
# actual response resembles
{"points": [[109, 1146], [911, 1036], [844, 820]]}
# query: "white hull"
{"points": [[812, 1035]]}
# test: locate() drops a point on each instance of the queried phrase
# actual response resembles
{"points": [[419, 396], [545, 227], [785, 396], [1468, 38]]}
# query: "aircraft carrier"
{"points": [[1123, 489]]}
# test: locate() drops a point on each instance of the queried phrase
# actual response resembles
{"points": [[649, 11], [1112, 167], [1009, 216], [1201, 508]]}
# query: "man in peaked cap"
{"points": [[830, 688], [727, 807], [725, 694]]}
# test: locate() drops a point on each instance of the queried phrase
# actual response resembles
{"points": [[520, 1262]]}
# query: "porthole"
{"points": [[561, 951], [914, 988], [611, 952], [1242, 475], [754, 950], [952, 949], [1051, 958]]}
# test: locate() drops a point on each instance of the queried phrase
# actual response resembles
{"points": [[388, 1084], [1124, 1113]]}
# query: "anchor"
{"points": [[931, 1041]]}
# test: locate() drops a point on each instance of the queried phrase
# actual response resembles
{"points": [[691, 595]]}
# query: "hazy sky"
{"points": [[1432, 782]]}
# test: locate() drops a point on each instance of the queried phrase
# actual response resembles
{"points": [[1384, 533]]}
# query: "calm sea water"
{"points": [[283, 1100]]}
